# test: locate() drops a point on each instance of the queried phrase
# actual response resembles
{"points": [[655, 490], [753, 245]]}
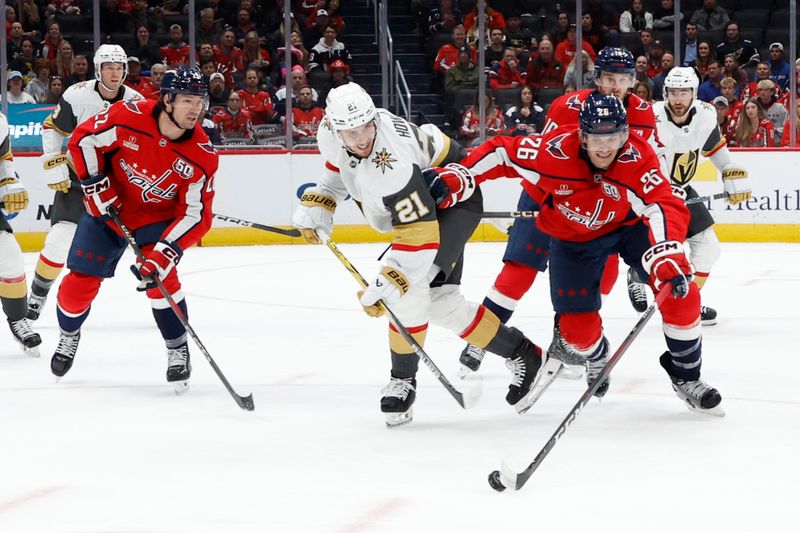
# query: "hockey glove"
{"points": [[667, 263], [160, 260], [679, 192], [56, 172], [389, 286], [449, 185], [99, 194], [13, 195], [314, 212], [736, 185]]}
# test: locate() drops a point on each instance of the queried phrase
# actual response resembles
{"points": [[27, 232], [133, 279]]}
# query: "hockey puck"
{"points": [[495, 483]]}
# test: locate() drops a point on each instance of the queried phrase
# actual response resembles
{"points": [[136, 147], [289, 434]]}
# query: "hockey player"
{"points": [[528, 247], [13, 287], [153, 163], [688, 127], [78, 103], [378, 159], [602, 192]]}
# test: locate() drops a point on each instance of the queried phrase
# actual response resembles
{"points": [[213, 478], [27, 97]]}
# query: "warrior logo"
{"points": [[383, 160], [149, 183], [554, 146], [590, 219], [631, 155], [684, 167]]}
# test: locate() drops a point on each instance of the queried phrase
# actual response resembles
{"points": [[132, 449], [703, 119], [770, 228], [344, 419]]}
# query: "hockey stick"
{"points": [[465, 400], [245, 402], [701, 199], [504, 478], [247, 224]]}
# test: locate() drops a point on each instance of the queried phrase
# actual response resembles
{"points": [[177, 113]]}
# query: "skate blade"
{"points": [[551, 370], [32, 352], [709, 322], [472, 395], [394, 420], [464, 371], [572, 371], [714, 411], [180, 387]]}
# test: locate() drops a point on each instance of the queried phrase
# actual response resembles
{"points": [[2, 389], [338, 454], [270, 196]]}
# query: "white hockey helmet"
{"points": [[109, 53], [349, 106], [681, 78]]}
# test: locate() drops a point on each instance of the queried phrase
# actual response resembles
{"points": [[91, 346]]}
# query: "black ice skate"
{"points": [[708, 316], [524, 366], [637, 292], [470, 359], [573, 365], [65, 354], [25, 336], [35, 306], [595, 368], [179, 368], [398, 397], [698, 395]]}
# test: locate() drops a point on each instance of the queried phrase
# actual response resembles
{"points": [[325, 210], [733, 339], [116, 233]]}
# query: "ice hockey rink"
{"points": [[112, 449]]}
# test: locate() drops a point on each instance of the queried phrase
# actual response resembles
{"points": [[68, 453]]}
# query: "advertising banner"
{"points": [[25, 125]]}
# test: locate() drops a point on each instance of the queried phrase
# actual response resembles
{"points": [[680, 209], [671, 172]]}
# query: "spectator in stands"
{"points": [[735, 106], [156, 75], [731, 70], [646, 38], [49, 47], [635, 18], [654, 58], [506, 74], [710, 17], [587, 67], [565, 50], [710, 89], [306, 116], [773, 109], [462, 75], [471, 121], [778, 65], [296, 41], [605, 16], [15, 93], [545, 71], [244, 25], [37, 86], [55, 88], [135, 80], [14, 44], [444, 17], [228, 56], [763, 72], [335, 17], [279, 35], [753, 129], [525, 118], [234, 122], [741, 48], [495, 50], [26, 59], [175, 52], [787, 128], [111, 18], [338, 75], [62, 66], [206, 53], [315, 26], [252, 53], [28, 16], [704, 58], [518, 37], [667, 62], [664, 16], [640, 71], [257, 102], [785, 99], [299, 80], [559, 31], [494, 19], [303, 9], [592, 34], [720, 104], [689, 44], [643, 91], [207, 67], [80, 71], [208, 29], [217, 92], [143, 15], [327, 50], [145, 48]]}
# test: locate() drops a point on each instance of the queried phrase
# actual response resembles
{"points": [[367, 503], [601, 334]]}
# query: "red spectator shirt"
{"points": [[545, 75], [237, 125], [565, 52], [751, 91], [787, 131], [447, 57], [305, 122], [228, 63], [470, 123], [502, 77], [143, 86], [764, 136], [175, 55], [259, 106]]}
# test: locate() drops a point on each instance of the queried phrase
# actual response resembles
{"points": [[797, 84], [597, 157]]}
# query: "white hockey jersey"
{"points": [[388, 185], [683, 144], [6, 157]]}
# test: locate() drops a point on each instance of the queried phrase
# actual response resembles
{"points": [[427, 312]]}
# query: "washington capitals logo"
{"points": [[152, 191], [643, 106], [554, 146], [573, 102], [631, 155], [587, 218], [133, 105], [383, 160]]}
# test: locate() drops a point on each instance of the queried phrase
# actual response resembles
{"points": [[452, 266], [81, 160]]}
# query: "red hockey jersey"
{"points": [[580, 203], [157, 179]]}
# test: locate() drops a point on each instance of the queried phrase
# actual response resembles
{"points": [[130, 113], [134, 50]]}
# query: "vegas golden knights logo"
{"points": [[684, 167]]}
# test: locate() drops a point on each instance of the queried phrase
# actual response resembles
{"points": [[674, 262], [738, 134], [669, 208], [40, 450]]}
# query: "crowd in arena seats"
{"points": [[240, 49], [531, 48]]}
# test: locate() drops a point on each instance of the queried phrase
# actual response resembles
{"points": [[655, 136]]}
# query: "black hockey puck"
{"points": [[495, 483]]}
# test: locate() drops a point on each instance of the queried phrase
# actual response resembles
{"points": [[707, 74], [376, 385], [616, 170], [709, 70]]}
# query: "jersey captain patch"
{"points": [[383, 160]]}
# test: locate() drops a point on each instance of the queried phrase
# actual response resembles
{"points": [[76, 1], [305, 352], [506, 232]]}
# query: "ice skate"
{"points": [[65, 354], [573, 365], [398, 397], [637, 292], [698, 395], [35, 306], [594, 368], [708, 316], [179, 368], [524, 366], [470, 359], [25, 336]]}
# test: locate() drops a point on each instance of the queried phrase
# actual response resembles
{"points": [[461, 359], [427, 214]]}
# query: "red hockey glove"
{"points": [[160, 260], [99, 194], [449, 185], [667, 263]]}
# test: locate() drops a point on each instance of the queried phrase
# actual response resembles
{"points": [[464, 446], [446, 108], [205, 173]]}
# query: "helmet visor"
{"points": [[614, 80], [606, 142]]}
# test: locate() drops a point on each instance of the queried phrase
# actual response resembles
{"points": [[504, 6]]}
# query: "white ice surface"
{"points": [[112, 449]]}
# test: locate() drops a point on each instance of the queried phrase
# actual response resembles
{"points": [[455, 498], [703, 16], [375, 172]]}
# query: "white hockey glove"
{"points": [[56, 172], [449, 185], [679, 192], [314, 212], [736, 185], [13, 195], [389, 286]]}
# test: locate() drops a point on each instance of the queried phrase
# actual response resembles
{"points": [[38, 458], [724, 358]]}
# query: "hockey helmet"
{"points": [[603, 123], [349, 106], [184, 80], [681, 78], [614, 60], [109, 53]]}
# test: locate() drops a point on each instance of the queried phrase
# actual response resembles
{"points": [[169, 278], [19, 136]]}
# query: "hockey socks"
{"points": [[514, 280]]}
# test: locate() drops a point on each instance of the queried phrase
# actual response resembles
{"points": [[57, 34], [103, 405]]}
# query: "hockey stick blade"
{"points": [[247, 224]]}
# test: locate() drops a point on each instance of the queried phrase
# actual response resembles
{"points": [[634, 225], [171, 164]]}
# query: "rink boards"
{"points": [[265, 187]]}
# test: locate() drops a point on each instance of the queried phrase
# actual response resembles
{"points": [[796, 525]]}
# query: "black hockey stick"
{"points": [[465, 400], [238, 221], [504, 478], [245, 402], [701, 199]]}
